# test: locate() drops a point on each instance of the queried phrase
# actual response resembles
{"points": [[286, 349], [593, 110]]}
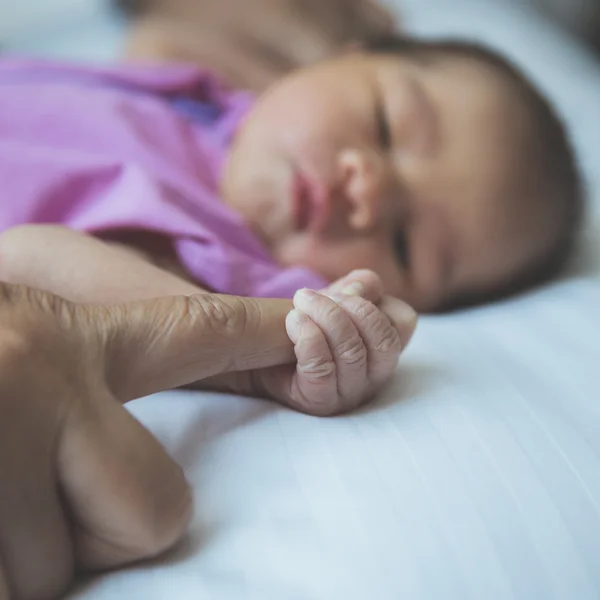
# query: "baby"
{"points": [[436, 165]]}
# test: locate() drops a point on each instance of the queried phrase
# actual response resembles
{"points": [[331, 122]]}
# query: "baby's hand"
{"points": [[347, 341]]}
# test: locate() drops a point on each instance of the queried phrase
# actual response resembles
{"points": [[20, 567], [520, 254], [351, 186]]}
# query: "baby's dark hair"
{"points": [[557, 182]]}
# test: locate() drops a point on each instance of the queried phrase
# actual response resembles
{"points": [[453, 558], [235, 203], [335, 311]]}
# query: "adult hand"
{"points": [[84, 485], [252, 44], [341, 354]]}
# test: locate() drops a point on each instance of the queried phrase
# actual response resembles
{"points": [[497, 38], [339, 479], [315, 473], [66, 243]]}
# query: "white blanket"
{"points": [[476, 475]]}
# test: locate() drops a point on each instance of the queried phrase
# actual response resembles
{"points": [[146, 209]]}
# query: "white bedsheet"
{"points": [[477, 474]]}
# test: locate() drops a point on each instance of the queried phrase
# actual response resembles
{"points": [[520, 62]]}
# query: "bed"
{"points": [[475, 475]]}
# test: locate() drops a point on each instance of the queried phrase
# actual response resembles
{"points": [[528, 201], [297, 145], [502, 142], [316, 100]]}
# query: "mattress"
{"points": [[477, 472]]}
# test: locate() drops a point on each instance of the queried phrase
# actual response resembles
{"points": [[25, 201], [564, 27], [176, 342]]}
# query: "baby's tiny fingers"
{"points": [[403, 317], [315, 386], [382, 341], [385, 333], [360, 282], [347, 348]]}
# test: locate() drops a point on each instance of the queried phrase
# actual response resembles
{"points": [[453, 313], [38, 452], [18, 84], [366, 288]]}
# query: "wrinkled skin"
{"points": [[340, 354], [84, 485]]}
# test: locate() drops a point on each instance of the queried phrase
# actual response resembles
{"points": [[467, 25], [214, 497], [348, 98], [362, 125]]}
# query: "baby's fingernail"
{"points": [[407, 314], [294, 323], [303, 297], [354, 289]]}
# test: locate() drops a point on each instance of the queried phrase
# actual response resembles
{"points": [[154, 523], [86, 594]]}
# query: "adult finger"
{"points": [[74, 463], [159, 344]]}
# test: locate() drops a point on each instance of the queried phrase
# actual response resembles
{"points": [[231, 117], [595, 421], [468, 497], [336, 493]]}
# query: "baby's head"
{"points": [[435, 164]]}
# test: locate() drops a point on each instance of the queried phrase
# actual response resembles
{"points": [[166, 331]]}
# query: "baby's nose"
{"points": [[363, 176]]}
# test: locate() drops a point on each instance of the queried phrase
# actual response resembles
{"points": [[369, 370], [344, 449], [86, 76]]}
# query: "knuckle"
{"points": [[317, 368], [331, 313], [382, 335], [388, 341], [227, 319], [352, 352], [363, 309]]}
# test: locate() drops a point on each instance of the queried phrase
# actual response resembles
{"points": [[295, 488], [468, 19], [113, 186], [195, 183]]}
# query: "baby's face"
{"points": [[375, 161]]}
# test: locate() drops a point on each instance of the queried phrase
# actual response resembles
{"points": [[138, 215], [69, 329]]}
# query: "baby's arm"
{"points": [[81, 268], [84, 269]]}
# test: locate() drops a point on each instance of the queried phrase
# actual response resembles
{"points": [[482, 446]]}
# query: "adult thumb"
{"points": [[155, 345]]}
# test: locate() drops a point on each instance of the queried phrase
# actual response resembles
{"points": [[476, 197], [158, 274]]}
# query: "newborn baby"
{"points": [[436, 165]]}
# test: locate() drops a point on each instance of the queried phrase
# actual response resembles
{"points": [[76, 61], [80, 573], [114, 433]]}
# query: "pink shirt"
{"points": [[100, 149]]}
